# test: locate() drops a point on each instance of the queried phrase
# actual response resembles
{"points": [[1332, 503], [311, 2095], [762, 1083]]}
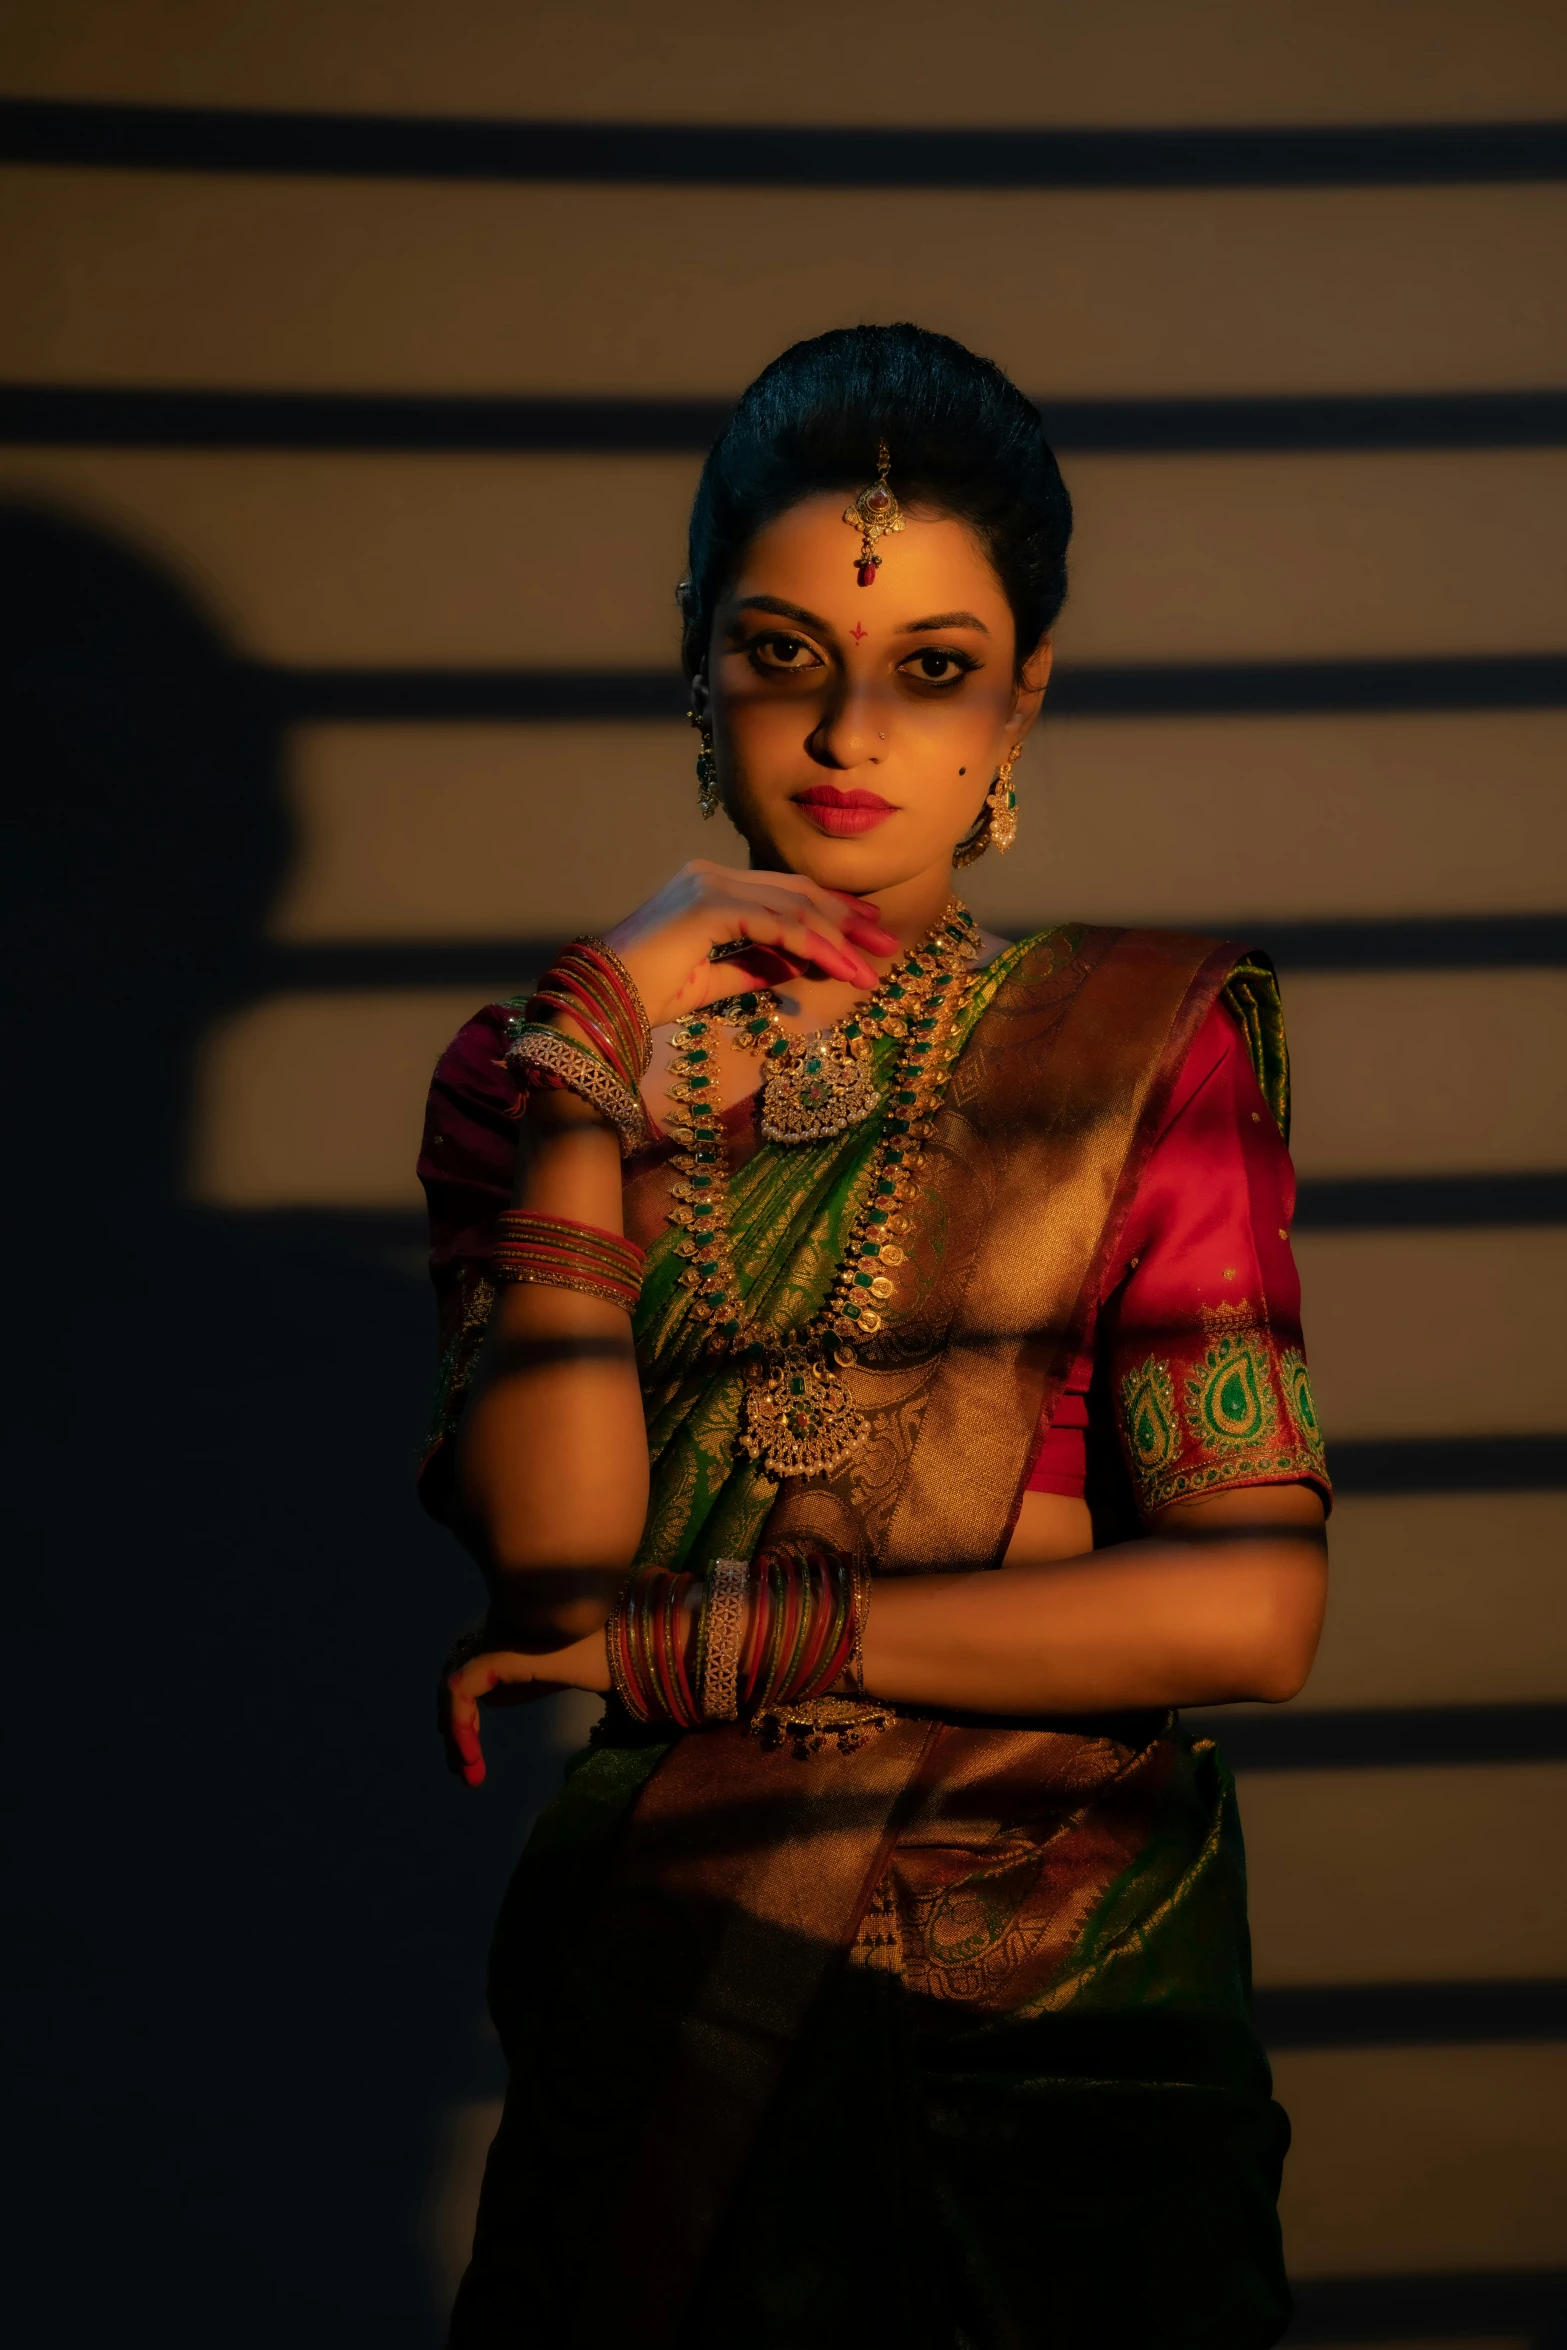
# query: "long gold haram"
{"points": [[798, 1418]]}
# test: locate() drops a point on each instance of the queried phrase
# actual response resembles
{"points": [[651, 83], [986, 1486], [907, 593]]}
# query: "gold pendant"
{"points": [[807, 1725], [800, 1420], [816, 1091]]}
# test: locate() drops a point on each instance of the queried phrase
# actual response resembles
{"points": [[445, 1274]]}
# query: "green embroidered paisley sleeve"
{"points": [[1203, 1330]]}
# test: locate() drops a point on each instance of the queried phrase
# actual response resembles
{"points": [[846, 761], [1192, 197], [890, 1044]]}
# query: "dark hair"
{"points": [[963, 439]]}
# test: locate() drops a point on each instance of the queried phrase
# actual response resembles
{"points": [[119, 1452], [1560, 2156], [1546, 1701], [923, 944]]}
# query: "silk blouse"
{"points": [[1191, 1375]]}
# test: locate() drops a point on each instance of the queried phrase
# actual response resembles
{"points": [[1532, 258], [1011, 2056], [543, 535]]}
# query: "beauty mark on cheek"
{"points": [[858, 633]]}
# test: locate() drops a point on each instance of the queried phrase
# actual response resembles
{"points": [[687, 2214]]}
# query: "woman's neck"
{"points": [[910, 910]]}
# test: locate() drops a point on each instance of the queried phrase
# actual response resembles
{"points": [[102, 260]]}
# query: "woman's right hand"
{"points": [[793, 927], [507, 1676]]}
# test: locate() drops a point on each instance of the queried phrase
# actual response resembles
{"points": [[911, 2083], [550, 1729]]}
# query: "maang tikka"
{"points": [[874, 512]]}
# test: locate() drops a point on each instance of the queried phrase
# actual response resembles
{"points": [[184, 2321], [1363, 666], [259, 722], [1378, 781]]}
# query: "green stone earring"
{"points": [[1002, 803], [706, 767]]}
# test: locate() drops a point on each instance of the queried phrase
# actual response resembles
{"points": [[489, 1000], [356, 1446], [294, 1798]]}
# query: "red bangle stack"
{"points": [[590, 983], [806, 1610], [650, 1639], [556, 1252]]}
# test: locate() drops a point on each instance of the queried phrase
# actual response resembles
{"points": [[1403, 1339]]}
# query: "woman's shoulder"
{"points": [[1240, 1030], [474, 1063], [1216, 1059], [472, 1115]]}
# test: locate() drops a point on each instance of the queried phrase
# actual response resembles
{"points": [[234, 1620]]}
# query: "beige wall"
{"points": [[1051, 61], [386, 283], [571, 562], [1407, 2159], [1149, 819]]}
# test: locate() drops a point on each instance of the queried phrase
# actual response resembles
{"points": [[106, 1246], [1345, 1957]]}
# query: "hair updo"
{"points": [[963, 439]]}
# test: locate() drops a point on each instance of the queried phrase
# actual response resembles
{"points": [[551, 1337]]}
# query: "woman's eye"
{"points": [[936, 668], [785, 652]]}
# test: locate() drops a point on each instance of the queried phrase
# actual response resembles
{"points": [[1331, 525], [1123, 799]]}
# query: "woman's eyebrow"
{"points": [[776, 604], [943, 620]]}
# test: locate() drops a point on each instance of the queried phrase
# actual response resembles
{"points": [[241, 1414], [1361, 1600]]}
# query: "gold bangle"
{"points": [[536, 1277], [617, 1675], [860, 1603], [726, 1614], [535, 1046]]}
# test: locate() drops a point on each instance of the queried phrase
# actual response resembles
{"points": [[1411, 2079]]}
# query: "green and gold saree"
{"points": [[946, 2037]]}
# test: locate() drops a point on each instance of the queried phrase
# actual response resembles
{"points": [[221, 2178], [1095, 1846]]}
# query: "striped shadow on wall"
{"points": [[1389, 720], [236, 139]]}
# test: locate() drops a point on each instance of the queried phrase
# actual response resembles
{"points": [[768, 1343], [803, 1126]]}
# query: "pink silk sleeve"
{"points": [[466, 1165], [1195, 1351]]}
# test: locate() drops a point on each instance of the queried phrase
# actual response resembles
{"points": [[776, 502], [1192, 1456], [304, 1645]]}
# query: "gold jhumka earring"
{"points": [[1001, 815], [1001, 800], [874, 513], [706, 766]]}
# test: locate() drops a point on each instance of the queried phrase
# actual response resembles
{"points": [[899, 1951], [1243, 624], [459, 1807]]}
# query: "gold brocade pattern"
{"points": [[701, 1893], [1037, 1147], [1056, 1871], [791, 1209]]}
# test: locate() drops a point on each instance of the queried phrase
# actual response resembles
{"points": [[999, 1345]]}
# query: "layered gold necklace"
{"points": [[798, 1418]]}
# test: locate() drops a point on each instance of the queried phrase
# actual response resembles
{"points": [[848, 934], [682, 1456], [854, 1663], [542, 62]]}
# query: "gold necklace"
{"points": [[814, 1087], [798, 1418]]}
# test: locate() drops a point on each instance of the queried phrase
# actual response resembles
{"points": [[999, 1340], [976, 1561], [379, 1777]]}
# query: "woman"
{"points": [[899, 1441]]}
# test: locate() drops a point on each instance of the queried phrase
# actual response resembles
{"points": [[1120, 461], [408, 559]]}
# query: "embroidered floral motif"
{"points": [[1246, 1415], [1229, 1406], [1148, 1416], [1301, 1403], [974, 1917]]}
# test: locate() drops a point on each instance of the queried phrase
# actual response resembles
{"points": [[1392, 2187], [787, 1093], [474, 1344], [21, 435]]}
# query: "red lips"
{"points": [[842, 813]]}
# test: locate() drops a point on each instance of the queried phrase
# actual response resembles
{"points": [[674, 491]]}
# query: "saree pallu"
{"points": [[948, 2033]]}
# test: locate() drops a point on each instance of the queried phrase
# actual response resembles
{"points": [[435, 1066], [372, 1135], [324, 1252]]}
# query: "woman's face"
{"points": [[857, 730]]}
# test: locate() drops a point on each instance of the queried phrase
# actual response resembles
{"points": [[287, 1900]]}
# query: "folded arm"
{"points": [[1222, 1602]]}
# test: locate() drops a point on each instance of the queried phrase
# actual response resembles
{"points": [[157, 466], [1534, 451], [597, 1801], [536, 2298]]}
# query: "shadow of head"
{"points": [[145, 831]]}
